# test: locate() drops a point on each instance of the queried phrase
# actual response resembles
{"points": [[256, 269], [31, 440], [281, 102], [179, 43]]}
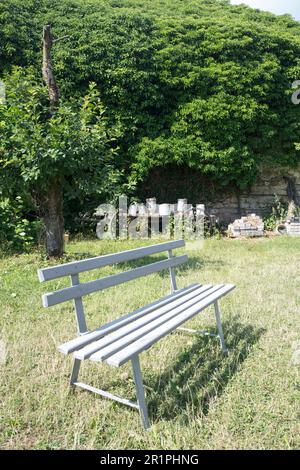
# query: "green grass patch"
{"points": [[197, 398]]}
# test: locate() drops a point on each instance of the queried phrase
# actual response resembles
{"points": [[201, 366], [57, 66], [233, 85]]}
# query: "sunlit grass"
{"points": [[197, 398]]}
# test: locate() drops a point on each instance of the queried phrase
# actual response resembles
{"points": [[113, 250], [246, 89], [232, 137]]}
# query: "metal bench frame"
{"points": [[78, 290]]}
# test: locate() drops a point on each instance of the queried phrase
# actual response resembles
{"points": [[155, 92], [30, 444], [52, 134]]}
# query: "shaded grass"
{"points": [[197, 398]]}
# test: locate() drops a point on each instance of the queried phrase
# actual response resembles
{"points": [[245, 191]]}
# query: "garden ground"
{"points": [[197, 398]]}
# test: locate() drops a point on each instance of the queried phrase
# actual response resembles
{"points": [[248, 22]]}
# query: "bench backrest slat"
{"points": [[78, 291], [76, 267]]}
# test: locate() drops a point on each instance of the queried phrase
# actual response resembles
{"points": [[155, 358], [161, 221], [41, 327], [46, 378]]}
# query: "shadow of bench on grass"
{"points": [[200, 373]]}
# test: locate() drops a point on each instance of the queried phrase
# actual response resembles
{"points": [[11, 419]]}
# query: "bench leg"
{"points": [[140, 393], [75, 372], [220, 329]]}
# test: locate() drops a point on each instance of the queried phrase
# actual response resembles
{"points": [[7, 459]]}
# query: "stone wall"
{"points": [[260, 198]]}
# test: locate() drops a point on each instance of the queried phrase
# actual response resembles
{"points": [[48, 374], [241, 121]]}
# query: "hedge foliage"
{"points": [[196, 83]]}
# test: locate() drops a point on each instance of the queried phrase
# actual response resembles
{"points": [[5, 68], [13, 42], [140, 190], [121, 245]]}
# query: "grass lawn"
{"points": [[197, 398]]}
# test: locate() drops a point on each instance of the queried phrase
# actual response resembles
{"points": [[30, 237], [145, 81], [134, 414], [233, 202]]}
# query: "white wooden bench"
{"points": [[124, 338]]}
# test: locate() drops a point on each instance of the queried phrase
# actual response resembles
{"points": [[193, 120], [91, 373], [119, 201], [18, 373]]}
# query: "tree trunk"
{"points": [[54, 220], [51, 204]]}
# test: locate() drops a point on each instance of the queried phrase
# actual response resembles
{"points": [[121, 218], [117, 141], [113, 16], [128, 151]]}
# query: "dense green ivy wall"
{"points": [[197, 84]]}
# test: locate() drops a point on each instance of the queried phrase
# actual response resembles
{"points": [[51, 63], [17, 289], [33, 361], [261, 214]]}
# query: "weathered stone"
{"points": [[260, 198]]}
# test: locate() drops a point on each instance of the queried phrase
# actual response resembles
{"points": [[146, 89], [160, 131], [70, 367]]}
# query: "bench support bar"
{"points": [[220, 329], [75, 372], [196, 332], [105, 394], [207, 333], [140, 393]]}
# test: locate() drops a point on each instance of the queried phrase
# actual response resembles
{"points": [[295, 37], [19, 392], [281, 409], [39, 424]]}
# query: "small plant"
{"points": [[213, 228], [277, 215]]}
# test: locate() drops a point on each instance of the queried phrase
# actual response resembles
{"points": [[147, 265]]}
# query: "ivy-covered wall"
{"points": [[200, 90], [171, 183]]}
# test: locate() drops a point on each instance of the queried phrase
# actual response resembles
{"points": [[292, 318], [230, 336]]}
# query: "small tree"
{"points": [[48, 148]]}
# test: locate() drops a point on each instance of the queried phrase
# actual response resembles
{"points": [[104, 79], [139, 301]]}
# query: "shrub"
{"points": [[17, 232], [277, 215]]}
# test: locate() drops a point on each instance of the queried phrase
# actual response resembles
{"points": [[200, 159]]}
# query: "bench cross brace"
{"points": [[220, 334], [140, 393], [197, 332]]}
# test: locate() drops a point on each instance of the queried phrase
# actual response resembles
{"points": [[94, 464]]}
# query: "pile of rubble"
{"points": [[249, 226]]}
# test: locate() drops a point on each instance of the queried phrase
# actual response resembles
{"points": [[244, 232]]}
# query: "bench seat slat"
{"points": [[76, 267], [114, 342], [137, 328], [145, 342], [69, 293], [114, 325]]}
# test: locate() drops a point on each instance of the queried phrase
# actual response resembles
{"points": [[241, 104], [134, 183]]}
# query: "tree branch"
{"points": [[60, 39]]}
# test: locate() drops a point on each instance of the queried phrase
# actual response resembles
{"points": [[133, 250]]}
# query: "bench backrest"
{"points": [[78, 290]]}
